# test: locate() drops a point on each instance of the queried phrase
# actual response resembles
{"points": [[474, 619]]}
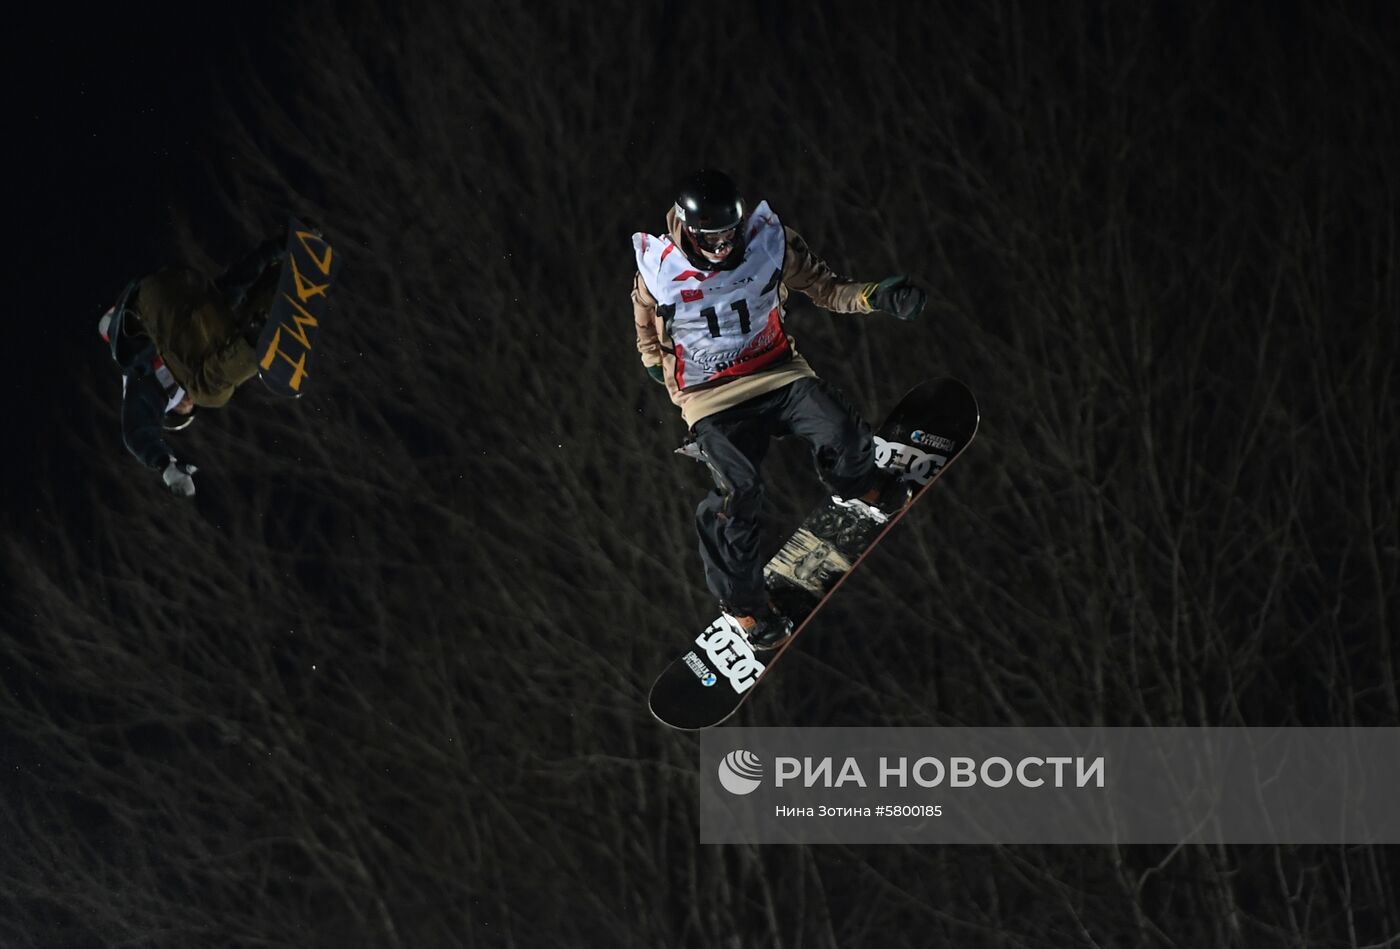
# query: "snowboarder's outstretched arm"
{"points": [[804, 271], [143, 408], [648, 342]]}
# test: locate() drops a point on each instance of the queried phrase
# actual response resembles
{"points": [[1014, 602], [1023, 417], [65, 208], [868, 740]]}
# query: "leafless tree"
{"points": [[383, 682]]}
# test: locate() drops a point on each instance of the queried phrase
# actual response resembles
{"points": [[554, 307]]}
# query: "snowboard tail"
{"points": [[923, 435]]}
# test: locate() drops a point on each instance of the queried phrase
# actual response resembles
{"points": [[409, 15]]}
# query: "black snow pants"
{"points": [[734, 443]]}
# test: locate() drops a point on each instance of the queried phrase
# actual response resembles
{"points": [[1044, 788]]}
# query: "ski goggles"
{"points": [[717, 241]]}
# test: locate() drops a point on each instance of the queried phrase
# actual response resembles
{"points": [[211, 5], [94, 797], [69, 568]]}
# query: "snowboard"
{"points": [[923, 435], [289, 336]]}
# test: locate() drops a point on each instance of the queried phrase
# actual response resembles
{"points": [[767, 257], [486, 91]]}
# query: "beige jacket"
{"points": [[802, 270]]}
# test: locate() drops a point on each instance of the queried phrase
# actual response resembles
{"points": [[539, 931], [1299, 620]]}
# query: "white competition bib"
{"points": [[723, 323]]}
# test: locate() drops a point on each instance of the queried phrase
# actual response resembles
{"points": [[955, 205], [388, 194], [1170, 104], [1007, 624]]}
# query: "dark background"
{"points": [[382, 682]]}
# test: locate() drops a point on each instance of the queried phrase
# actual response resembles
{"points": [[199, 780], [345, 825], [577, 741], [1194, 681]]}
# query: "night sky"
{"points": [[382, 682]]}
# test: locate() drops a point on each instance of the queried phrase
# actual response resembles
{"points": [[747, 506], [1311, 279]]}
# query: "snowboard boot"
{"points": [[764, 629], [887, 497]]}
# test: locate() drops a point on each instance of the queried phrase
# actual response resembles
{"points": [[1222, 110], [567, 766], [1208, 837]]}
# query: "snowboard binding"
{"points": [[890, 495], [764, 629]]}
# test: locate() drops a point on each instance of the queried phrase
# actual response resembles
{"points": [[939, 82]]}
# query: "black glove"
{"points": [[896, 295], [656, 374]]}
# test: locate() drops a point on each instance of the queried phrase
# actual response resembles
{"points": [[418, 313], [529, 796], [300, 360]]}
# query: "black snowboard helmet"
{"points": [[712, 215]]}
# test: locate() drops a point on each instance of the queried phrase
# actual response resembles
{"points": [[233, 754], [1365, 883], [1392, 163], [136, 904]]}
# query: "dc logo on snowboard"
{"points": [[728, 649], [918, 466], [741, 772]]}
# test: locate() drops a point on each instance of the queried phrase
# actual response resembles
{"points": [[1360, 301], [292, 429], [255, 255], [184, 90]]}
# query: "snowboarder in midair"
{"points": [[182, 342], [708, 303]]}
